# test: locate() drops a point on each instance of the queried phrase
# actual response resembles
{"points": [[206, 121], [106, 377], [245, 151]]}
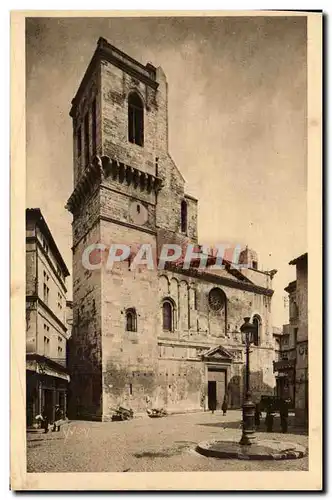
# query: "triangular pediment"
{"points": [[217, 353]]}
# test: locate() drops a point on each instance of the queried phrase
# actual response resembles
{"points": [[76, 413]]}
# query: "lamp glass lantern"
{"points": [[248, 331]]}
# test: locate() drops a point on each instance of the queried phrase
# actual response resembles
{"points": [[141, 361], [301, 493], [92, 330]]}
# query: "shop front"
{"points": [[47, 386], [285, 379]]}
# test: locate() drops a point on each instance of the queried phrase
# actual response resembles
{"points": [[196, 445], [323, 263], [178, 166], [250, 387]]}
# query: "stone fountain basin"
{"points": [[263, 449]]}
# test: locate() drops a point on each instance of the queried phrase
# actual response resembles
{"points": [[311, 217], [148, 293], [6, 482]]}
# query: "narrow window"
{"points": [[86, 140], [131, 320], [131, 389], [46, 346], [135, 120], [184, 211], [254, 264], [46, 293], [257, 324], [94, 128], [168, 323]]}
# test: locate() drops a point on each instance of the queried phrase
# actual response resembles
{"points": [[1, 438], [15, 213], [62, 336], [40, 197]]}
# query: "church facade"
{"points": [[170, 337]]}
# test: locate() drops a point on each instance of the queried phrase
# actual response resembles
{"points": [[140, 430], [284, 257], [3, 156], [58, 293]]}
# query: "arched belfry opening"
{"points": [[135, 119]]}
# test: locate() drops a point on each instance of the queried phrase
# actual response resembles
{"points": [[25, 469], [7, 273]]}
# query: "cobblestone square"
{"points": [[146, 445]]}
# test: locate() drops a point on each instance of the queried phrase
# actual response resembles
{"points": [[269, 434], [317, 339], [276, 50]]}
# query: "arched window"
{"points": [[217, 299], [135, 119], [168, 316], [184, 216], [131, 320], [257, 323]]}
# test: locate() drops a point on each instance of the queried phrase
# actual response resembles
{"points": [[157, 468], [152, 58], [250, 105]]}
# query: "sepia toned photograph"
{"points": [[167, 257]]}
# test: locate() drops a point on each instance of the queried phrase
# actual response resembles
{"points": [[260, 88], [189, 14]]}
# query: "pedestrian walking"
{"points": [[45, 421], [224, 406], [57, 419], [284, 416]]}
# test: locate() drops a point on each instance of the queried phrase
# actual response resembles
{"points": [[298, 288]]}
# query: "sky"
{"points": [[237, 123]]}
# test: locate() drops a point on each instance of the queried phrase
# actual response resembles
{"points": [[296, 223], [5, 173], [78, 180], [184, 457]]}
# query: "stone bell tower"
{"points": [[122, 175]]}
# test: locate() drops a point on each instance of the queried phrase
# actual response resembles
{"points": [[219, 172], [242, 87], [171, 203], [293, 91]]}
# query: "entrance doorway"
{"points": [[216, 387], [212, 395]]}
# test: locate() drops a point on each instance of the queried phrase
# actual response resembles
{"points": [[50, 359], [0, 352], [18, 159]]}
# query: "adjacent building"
{"points": [[47, 374], [170, 336], [301, 391], [284, 366], [291, 365]]}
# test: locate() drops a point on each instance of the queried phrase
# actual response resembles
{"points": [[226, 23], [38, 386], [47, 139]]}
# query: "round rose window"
{"points": [[216, 299]]}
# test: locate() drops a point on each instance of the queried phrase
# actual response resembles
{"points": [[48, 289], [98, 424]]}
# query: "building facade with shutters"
{"points": [[169, 336], [47, 373]]}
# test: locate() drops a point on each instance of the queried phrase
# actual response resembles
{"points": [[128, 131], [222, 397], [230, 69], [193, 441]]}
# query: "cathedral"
{"points": [[164, 337]]}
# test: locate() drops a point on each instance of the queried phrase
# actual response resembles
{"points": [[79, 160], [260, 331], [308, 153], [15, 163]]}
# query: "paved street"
{"points": [[143, 444]]}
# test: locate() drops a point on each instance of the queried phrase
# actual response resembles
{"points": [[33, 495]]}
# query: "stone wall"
{"points": [[129, 358], [85, 346]]}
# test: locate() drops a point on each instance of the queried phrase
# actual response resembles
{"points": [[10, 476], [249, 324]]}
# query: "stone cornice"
{"points": [[104, 167], [130, 175], [92, 175], [122, 61]]}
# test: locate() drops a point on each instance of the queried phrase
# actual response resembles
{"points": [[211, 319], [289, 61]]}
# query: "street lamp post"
{"points": [[248, 407]]}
